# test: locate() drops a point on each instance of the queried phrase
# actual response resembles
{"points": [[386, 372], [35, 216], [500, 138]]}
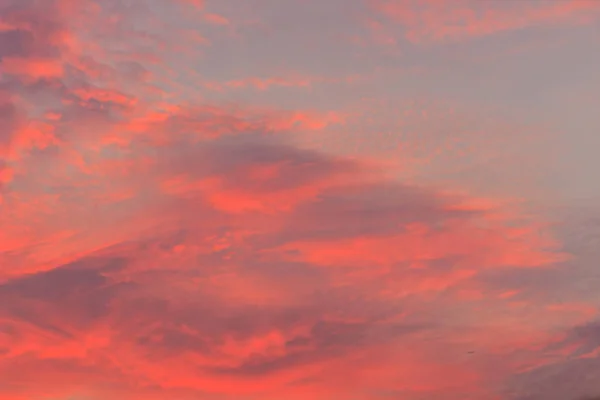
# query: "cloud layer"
{"points": [[185, 216]]}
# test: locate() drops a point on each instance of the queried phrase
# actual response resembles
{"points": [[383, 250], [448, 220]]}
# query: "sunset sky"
{"points": [[299, 199]]}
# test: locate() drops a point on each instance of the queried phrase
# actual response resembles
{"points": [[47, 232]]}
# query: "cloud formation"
{"points": [[163, 239], [268, 266]]}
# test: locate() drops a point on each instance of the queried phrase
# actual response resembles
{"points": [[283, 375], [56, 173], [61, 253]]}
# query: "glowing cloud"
{"points": [[173, 226]]}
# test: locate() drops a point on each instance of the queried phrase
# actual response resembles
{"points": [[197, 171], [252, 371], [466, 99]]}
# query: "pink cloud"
{"points": [[216, 19], [140, 299], [427, 21], [160, 244]]}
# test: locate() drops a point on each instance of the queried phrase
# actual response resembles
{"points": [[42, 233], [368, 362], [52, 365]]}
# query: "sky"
{"points": [[299, 199]]}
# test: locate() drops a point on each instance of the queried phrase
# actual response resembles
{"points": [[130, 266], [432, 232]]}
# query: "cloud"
{"points": [[431, 21], [286, 267], [571, 359], [156, 242]]}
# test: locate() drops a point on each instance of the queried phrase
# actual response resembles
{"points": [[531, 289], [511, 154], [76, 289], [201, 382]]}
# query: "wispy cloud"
{"points": [[431, 21]]}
